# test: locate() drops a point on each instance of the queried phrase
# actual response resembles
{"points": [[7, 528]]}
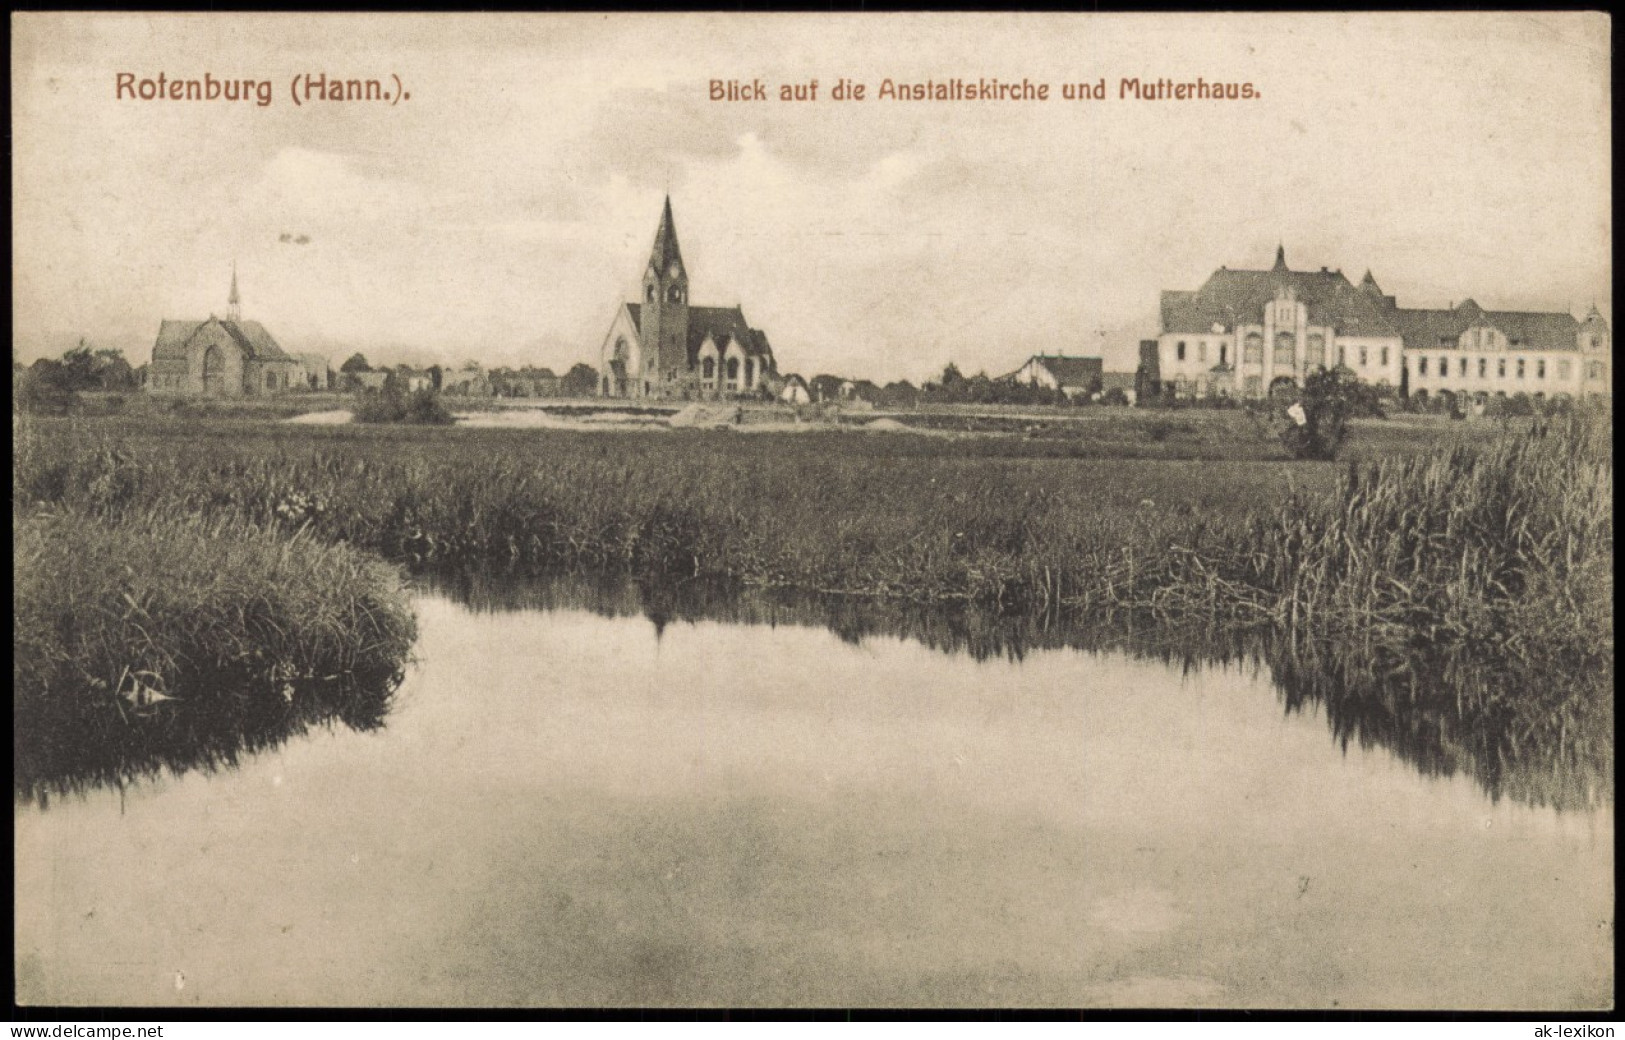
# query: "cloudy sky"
{"points": [[503, 210]]}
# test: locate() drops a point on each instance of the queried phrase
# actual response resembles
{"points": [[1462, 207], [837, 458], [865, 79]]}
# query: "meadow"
{"points": [[1485, 545]]}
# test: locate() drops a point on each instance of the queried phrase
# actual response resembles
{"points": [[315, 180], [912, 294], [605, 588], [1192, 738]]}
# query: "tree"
{"points": [[1316, 422], [356, 363], [580, 381]]}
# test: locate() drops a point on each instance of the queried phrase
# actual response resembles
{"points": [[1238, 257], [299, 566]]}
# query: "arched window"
{"points": [[1179, 350], [649, 293], [1254, 347], [733, 369], [708, 368], [1223, 351], [750, 371], [1286, 346], [675, 294], [214, 370]]}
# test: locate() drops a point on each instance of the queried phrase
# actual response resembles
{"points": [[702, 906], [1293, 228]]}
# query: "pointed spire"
{"points": [[234, 302], [665, 249], [1280, 258], [1370, 284]]}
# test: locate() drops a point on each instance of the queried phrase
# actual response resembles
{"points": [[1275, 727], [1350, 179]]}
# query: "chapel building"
{"points": [[665, 347], [221, 357]]}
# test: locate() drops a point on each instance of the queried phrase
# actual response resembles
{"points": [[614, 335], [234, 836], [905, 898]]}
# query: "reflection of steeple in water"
{"points": [[1420, 708]]}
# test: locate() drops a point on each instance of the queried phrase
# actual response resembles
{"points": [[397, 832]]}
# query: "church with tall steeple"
{"points": [[663, 346]]}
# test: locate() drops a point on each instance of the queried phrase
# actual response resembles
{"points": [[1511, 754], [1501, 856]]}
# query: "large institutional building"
{"points": [[664, 347], [1246, 333], [221, 357]]}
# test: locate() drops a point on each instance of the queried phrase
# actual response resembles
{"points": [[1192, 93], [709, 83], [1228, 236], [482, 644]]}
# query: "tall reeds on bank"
{"points": [[157, 641], [1479, 574]]}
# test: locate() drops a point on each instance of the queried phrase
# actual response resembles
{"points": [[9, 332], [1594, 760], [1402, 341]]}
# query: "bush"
{"points": [[1316, 424], [421, 408]]}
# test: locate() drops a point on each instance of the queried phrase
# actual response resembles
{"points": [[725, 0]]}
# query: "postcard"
{"points": [[536, 511]]}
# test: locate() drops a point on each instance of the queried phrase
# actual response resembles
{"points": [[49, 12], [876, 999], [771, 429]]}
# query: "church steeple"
{"points": [[663, 321], [234, 303], [665, 252], [1369, 284], [1280, 258]]}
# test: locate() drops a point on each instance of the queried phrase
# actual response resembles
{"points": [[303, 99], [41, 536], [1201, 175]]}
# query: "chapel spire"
{"points": [[234, 302], [1280, 258]]}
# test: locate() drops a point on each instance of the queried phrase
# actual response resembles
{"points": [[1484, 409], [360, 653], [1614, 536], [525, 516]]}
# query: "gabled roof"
{"points": [[1230, 298], [719, 323], [1073, 371], [1422, 329], [256, 343]]}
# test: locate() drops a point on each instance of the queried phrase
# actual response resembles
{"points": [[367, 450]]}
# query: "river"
{"points": [[621, 803]]}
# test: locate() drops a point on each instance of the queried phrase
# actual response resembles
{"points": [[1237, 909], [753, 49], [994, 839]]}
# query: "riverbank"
{"points": [[150, 642], [1496, 548]]}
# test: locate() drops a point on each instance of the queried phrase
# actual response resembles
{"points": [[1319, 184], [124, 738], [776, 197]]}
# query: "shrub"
{"points": [[423, 407], [1316, 423]]}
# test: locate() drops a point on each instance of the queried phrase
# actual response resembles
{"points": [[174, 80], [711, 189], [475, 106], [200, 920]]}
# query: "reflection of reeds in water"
{"points": [[1480, 576], [160, 643], [1464, 600], [1420, 705]]}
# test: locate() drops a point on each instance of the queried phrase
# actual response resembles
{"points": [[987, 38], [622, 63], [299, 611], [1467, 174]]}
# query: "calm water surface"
{"points": [[568, 808]]}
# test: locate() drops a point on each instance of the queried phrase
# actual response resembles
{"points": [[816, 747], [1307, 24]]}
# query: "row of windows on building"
{"points": [[1285, 352], [1252, 386], [708, 370], [1594, 369]]}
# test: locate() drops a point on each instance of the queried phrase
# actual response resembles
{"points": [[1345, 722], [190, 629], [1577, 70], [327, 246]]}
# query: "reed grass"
{"points": [[1479, 573], [155, 641]]}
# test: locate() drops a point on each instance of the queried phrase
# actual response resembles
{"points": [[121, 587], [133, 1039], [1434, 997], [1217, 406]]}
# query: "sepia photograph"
{"points": [[820, 510]]}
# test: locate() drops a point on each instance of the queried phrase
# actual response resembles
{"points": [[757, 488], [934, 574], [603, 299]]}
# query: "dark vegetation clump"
{"points": [[394, 405]]}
